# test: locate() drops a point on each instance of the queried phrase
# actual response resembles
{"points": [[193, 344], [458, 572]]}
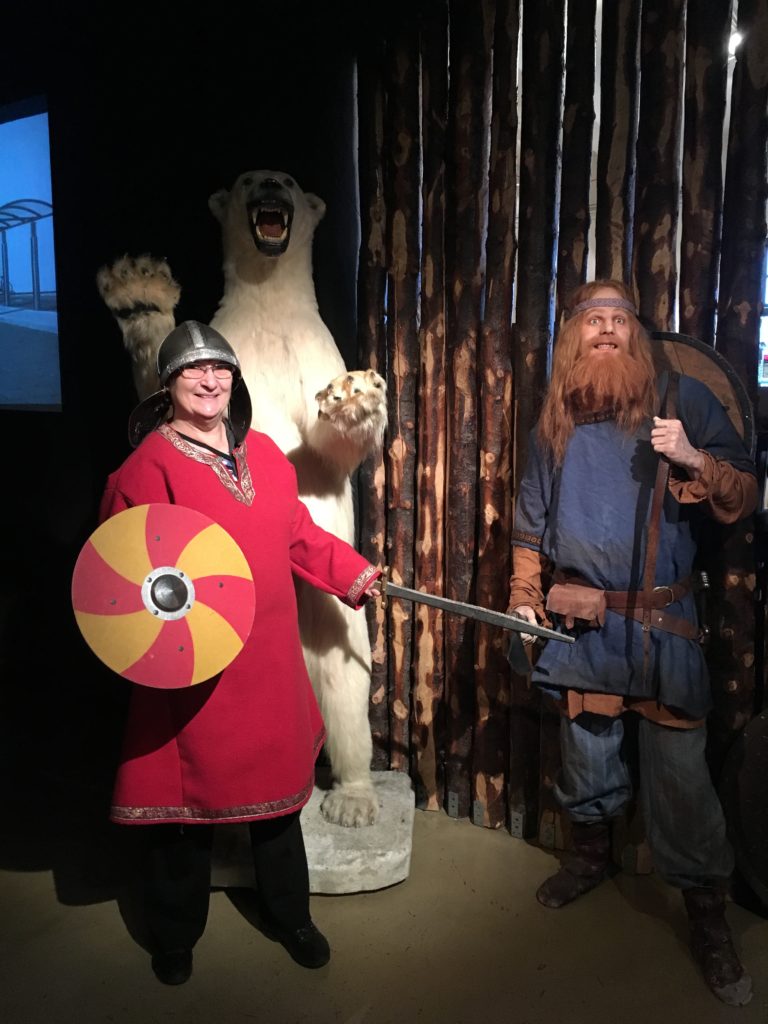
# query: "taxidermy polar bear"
{"points": [[269, 315]]}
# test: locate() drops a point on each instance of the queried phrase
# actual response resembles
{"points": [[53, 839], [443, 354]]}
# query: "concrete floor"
{"points": [[462, 940]]}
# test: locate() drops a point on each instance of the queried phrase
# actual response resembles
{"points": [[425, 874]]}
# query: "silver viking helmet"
{"points": [[188, 343]]}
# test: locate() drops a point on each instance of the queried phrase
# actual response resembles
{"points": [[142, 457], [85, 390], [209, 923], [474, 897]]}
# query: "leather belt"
{"points": [[661, 597], [630, 604], [662, 620]]}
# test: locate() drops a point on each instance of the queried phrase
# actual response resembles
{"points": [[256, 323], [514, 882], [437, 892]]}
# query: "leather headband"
{"points": [[606, 301]]}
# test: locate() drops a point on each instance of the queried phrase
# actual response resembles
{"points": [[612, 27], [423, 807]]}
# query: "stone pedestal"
{"points": [[340, 859]]}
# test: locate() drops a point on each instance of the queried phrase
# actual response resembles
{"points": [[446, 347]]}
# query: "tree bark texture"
{"points": [[467, 173], [429, 570], [578, 121], [731, 648], [543, 56], [492, 675], [742, 265], [741, 292], [543, 41], [403, 131], [372, 347], [708, 26], [616, 157], [654, 263]]}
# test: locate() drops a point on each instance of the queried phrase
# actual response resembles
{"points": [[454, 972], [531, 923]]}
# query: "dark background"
{"points": [[148, 116]]}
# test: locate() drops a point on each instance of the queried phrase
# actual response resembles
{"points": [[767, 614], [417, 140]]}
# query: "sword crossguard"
{"points": [[383, 580]]}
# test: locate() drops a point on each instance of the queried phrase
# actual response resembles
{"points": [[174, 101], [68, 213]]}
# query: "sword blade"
{"points": [[473, 611]]}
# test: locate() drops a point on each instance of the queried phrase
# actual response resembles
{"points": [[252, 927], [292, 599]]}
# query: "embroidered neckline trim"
{"points": [[242, 489]]}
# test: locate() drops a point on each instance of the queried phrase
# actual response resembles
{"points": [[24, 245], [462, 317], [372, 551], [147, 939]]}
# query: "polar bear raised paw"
{"points": [[351, 806], [355, 404], [141, 294], [142, 285]]}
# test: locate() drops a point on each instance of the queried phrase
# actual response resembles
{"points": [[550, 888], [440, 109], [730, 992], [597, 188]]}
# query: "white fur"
{"points": [[269, 315]]}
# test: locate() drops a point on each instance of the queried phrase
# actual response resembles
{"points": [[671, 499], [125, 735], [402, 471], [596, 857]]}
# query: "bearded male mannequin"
{"points": [[584, 518]]}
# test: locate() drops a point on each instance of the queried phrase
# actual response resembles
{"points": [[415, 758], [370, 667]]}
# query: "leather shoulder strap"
{"points": [[668, 410]]}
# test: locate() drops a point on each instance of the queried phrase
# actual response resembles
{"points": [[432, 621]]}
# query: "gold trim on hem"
{"points": [[203, 815]]}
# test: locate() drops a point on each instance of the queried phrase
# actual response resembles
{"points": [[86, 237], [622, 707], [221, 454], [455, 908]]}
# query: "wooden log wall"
{"points": [[543, 48], [657, 189], [578, 122], [429, 662], [403, 179], [475, 219], [466, 174], [742, 265], [706, 61], [491, 741], [741, 292], [619, 71]]}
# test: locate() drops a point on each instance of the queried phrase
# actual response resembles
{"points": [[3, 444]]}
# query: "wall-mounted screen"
{"points": [[29, 330]]}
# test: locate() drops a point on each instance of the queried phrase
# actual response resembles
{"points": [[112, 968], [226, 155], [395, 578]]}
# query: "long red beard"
{"points": [[614, 380]]}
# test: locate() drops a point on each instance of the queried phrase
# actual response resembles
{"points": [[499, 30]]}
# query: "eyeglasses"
{"points": [[220, 371]]}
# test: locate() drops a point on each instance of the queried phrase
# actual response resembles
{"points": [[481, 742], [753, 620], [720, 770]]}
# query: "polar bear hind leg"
{"points": [[338, 658]]}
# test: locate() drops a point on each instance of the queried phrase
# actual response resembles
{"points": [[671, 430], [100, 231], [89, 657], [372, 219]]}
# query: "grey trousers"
{"points": [[683, 817]]}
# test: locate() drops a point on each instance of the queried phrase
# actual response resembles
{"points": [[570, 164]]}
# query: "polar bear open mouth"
{"points": [[270, 223]]}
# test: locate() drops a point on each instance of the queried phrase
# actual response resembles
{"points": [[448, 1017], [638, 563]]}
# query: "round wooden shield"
{"points": [[693, 358], [163, 596]]}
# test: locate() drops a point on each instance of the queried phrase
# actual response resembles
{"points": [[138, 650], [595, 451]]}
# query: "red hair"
{"points": [[557, 419]]}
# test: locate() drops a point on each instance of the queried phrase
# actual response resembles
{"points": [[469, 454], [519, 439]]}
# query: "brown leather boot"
{"points": [[584, 867], [712, 946]]}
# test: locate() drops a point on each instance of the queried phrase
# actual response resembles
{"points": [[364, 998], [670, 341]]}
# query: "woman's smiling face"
{"points": [[203, 401]]}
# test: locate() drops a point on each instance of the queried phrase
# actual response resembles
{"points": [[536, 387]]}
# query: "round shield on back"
{"points": [[692, 357], [163, 596]]}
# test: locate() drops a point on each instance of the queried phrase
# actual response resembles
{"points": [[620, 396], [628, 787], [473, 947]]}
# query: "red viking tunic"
{"points": [[242, 745]]}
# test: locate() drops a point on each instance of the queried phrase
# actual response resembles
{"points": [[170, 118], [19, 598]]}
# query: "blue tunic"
{"points": [[591, 516]]}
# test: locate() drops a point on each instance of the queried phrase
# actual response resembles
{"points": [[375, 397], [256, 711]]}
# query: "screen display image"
{"points": [[29, 339]]}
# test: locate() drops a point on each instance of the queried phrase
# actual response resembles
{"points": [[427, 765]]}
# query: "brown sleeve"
{"points": [[525, 585], [729, 493]]}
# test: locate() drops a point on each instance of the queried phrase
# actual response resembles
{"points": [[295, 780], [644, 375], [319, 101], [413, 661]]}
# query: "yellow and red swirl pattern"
{"points": [[126, 633]]}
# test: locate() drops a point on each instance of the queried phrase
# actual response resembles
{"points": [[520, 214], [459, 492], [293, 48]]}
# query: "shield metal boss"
{"points": [[163, 596]]}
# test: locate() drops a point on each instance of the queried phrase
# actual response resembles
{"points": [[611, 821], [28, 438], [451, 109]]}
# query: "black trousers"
{"points": [[177, 878]]}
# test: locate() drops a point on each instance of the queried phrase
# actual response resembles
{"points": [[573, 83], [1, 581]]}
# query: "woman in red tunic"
{"points": [[240, 747]]}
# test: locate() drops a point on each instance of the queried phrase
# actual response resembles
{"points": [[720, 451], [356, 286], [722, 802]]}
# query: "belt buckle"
{"points": [[658, 590]]}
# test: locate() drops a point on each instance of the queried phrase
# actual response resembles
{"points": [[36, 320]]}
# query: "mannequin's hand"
{"points": [[524, 611], [668, 438]]}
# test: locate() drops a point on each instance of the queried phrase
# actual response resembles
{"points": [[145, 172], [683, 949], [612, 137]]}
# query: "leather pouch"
{"points": [[577, 604]]}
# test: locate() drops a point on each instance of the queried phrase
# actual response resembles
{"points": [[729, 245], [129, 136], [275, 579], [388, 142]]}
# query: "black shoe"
{"points": [[584, 868], [174, 967], [712, 946], [306, 945]]}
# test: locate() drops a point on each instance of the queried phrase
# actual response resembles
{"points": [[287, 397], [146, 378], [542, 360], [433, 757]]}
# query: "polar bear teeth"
{"points": [[270, 223]]}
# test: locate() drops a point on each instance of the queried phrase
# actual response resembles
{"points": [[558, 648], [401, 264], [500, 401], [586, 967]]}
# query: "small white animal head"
{"points": [[355, 402], [266, 211]]}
